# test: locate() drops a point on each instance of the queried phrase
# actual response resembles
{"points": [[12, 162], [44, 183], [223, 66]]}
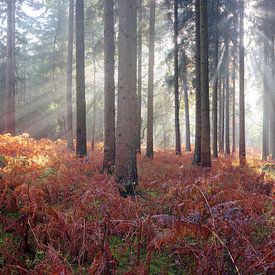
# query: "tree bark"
{"points": [[81, 139], [242, 151], [139, 94], [150, 107], [186, 109], [69, 107], [197, 151], [227, 99], [126, 167], [176, 80], [233, 107], [10, 71], [109, 87], [215, 87], [205, 120]]}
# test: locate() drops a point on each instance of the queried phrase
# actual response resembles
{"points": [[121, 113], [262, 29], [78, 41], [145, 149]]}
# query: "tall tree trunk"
{"points": [[227, 99], [140, 30], [222, 103], [94, 106], [126, 167], [272, 101], [81, 138], [176, 79], [109, 87], [205, 120], [10, 71], [197, 151], [186, 109], [150, 107], [265, 134], [69, 107], [233, 107], [215, 87], [242, 151]]}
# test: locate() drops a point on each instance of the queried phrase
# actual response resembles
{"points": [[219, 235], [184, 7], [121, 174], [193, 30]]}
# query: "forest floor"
{"points": [[59, 215]]}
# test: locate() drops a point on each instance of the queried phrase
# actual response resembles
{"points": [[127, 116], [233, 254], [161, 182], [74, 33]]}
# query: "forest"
{"points": [[137, 137]]}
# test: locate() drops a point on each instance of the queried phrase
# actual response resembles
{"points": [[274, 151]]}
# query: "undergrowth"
{"points": [[59, 215]]}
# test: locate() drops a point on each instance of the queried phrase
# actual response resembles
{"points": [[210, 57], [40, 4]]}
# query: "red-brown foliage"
{"points": [[59, 215]]}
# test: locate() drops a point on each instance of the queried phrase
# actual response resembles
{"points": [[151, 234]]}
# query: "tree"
{"points": [[197, 151], [126, 167], [176, 79], [10, 70], [69, 108], [150, 104], [227, 92], [81, 139], [186, 106], [215, 86], [242, 152], [205, 120], [139, 77], [109, 87]]}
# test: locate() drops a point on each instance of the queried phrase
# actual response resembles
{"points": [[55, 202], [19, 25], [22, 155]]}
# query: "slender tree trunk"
{"points": [[109, 87], [215, 88], [222, 115], [272, 101], [197, 151], [176, 80], [242, 151], [94, 106], [220, 112], [10, 71], [140, 30], [205, 120], [265, 137], [81, 139], [186, 108], [234, 108], [69, 107], [150, 110], [227, 101], [126, 167]]}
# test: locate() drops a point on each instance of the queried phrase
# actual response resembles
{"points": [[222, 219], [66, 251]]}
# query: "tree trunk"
{"points": [[140, 30], [222, 105], [176, 79], [10, 71], [227, 101], [265, 137], [126, 167], [215, 87], [272, 101], [186, 109], [69, 107], [233, 107], [150, 107], [242, 153], [81, 139], [197, 151], [94, 106], [109, 87], [205, 120]]}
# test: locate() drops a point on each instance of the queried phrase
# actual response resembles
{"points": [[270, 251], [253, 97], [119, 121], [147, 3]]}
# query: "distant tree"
{"points": [[126, 166], [227, 96], [150, 104], [205, 120], [81, 139], [242, 151], [69, 107], [176, 78], [10, 70], [109, 87]]}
